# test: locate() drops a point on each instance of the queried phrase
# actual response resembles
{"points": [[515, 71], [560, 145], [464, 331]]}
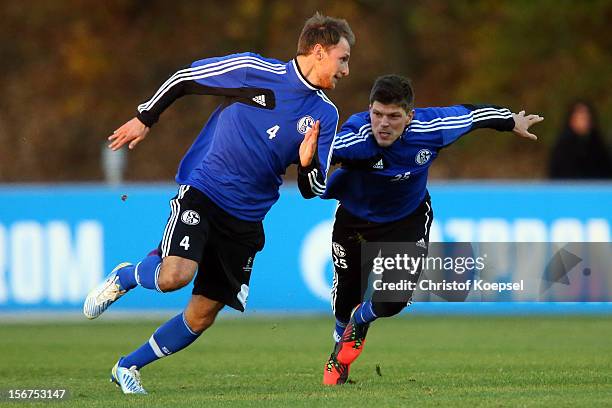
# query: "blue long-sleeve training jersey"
{"points": [[249, 141], [389, 183]]}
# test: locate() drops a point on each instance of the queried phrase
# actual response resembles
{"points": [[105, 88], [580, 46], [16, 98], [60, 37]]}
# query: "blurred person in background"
{"points": [[580, 151]]}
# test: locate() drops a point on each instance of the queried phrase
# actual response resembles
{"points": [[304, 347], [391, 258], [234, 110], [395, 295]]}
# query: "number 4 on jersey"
{"points": [[272, 131], [185, 242]]}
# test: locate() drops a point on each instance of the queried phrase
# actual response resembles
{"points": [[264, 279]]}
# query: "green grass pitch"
{"points": [[527, 361]]}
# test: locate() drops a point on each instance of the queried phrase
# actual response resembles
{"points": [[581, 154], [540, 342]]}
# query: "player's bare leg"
{"points": [[175, 273], [201, 312]]}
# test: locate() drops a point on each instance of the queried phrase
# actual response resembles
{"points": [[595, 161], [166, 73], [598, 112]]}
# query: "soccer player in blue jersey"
{"points": [[271, 116], [381, 187]]}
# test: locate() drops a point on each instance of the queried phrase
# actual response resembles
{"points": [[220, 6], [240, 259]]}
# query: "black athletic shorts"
{"points": [[223, 246], [351, 268]]}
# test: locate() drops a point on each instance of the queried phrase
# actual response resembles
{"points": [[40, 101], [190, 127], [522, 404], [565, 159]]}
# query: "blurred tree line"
{"points": [[74, 70]]}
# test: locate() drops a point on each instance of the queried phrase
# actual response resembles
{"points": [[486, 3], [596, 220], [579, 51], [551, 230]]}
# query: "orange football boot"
{"points": [[335, 373], [353, 340]]}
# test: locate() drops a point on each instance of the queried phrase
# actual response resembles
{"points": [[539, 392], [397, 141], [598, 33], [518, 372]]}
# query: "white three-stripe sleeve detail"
{"points": [[341, 146], [360, 137], [459, 118], [214, 66], [349, 135], [313, 183], [460, 125], [205, 71]]}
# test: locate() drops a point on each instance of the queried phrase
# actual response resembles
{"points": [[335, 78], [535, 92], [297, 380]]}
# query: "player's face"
{"points": [[333, 63], [388, 122]]}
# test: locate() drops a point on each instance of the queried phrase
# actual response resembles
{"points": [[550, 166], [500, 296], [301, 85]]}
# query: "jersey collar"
{"points": [[300, 79]]}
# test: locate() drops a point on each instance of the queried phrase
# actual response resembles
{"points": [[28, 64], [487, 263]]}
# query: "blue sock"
{"points": [[127, 277], [364, 313], [147, 272], [339, 331], [172, 336], [144, 273]]}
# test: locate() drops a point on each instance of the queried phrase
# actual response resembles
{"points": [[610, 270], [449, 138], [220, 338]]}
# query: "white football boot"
{"points": [[105, 294], [128, 379]]}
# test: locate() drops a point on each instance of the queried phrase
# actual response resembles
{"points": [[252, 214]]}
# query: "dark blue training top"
{"points": [[389, 183], [254, 135]]}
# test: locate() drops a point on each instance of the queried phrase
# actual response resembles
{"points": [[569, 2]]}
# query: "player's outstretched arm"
{"points": [[450, 123], [133, 132], [523, 122], [224, 77]]}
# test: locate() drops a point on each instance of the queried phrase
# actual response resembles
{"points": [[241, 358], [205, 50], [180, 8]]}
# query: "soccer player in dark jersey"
{"points": [[271, 116], [381, 187]]}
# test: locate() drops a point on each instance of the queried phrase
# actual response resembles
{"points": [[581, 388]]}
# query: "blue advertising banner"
{"points": [[58, 241]]}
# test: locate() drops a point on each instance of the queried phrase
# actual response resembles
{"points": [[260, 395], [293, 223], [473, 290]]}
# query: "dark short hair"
{"points": [[324, 30], [393, 89]]}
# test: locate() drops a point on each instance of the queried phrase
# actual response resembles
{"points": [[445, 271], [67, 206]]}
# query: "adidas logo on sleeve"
{"points": [[260, 99]]}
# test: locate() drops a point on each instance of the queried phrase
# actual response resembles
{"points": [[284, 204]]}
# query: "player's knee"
{"points": [[200, 322], [175, 275], [388, 309]]}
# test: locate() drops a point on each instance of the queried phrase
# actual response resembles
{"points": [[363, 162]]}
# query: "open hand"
{"points": [[308, 147], [522, 124], [133, 131]]}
